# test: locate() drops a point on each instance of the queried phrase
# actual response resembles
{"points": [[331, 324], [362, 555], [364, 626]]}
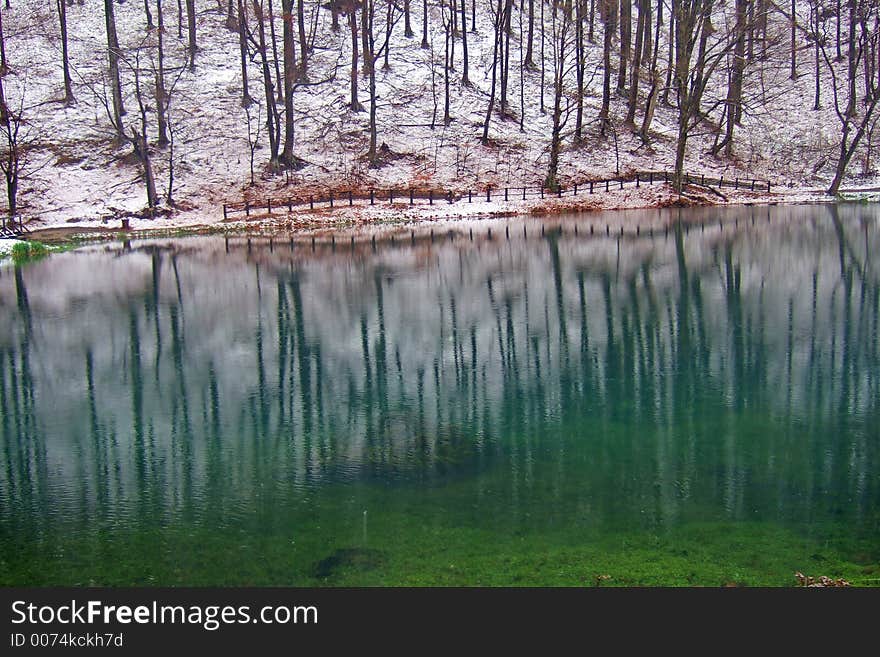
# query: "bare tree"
{"points": [[243, 51], [113, 54], [65, 61], [699, 49], [464, 43], [273, 118], [253, 136], [625, 43], [3, 64], [137, 136], [608, 14], [733, 109], [17, 147], [642, 26], [371, 55], [498, 31], [854, 123], [561, 23], [161, 96], [191, 31]]}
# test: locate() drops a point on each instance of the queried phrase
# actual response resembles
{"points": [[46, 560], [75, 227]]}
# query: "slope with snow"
{"points": [[85, 178]]}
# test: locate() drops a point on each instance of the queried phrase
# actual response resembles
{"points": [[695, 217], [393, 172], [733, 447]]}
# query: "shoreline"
{"points": [[393, 217]]}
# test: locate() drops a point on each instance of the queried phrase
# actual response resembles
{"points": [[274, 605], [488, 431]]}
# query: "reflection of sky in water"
{"points": [[732, 367]]}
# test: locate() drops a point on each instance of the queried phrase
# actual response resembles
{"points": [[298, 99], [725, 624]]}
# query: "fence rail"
{"points": [[411, 195], [13, 227]]}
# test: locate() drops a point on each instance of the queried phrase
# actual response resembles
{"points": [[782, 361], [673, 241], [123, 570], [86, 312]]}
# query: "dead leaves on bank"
{"points": [[819, 582]]}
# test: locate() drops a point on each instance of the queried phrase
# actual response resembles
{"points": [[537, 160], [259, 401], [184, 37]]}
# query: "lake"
{"points": [[662, 397]]}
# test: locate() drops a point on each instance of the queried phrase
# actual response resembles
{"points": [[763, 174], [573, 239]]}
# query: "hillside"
{"points": [[82, 174]]}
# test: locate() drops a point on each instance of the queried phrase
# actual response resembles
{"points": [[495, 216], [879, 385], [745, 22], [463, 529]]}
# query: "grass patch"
{"points": [[28, 251]]}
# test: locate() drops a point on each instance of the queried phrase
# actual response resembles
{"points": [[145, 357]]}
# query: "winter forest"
{"points": [[147, 106]]}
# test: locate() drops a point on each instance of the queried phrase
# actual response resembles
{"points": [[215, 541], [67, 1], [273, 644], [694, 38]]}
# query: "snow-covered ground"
{"points": [[86, 180], [6, 247]]}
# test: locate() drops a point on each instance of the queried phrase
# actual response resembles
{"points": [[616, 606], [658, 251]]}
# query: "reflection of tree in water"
{"points": [[649, 378]]}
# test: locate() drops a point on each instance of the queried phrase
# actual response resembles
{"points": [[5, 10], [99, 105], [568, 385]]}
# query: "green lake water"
{"points": [[519, 402]]}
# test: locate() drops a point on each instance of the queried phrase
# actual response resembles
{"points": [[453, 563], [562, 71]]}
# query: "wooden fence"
{"points": [[334, 199], [12, 227]]}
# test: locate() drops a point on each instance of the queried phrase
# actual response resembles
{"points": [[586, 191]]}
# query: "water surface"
{"points": [[522, 402]]}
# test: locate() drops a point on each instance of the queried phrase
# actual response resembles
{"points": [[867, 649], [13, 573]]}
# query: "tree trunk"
{"points": [[191, 33], [273, 122], [551, 182], [504, 43], [3, 65], [279, 85], [793, 41], [407, 24], [650, 104], [530, 38], [814, 10], [425, 43], [389, 26], [161, 101], [289, 50], [353, 23], [670, 61], [499, 22], [641, 27], [735, 85], [242, 47], [580, 66], [447, 34], [608, 12], [370, 57], [303, 44], [464, 43], [113, 55], [625, 43], [65, 61]]}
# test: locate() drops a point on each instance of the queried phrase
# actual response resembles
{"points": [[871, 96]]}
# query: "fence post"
{"points": [[753, 184], [721, 181], [559, 191], [505, 193], [391, 196], [621, 183], [488, 193], [430, 197], [450, 195], [650, 177], [736, 183], [289, 204], [224, 212], [247, 208], [331, 199], [591, 187], [269, 205], [665, 176], [575, 189], [524, 193], [350, 198], [372, 197], [542, 191], [411, 200], [703, 179], [768, 186], [311, 202], [637, 178]]}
